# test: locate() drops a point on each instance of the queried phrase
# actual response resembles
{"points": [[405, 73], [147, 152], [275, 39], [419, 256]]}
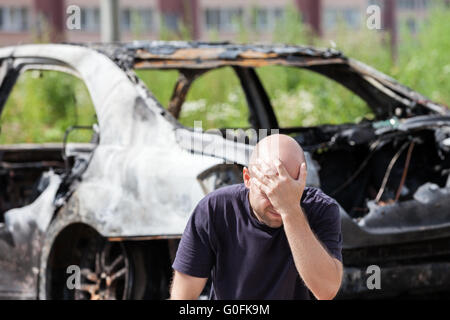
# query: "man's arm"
{"points": [[194, 258], [186, 287], [321, 272]]}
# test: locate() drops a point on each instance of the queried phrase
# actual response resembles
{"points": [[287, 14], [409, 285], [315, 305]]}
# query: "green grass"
{"points": [[43, 105], [304, 98], [215, 98], [424, 60]]}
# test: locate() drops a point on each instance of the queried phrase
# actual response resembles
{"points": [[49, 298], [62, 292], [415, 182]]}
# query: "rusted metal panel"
{"points": [[217, 63], [185, 79], [204, 52]]}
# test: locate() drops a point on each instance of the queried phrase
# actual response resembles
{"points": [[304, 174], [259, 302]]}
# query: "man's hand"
{"points": [[281, 189]]}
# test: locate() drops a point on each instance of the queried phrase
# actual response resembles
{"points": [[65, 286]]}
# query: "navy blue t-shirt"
{"points": [[245, 258]]}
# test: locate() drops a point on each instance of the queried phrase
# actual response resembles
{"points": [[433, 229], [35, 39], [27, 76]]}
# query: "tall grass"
{"points": [[42, 105], [424, 59]]}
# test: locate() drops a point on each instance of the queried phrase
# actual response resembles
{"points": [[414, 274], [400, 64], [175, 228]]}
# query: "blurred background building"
{"points": [[25, 21]]}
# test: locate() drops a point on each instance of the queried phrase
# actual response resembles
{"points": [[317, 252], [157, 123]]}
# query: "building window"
{"points": [[136, 19], [126, 19], [212, 18], [262, 19], [376, 3], [90, 19], [330, 18], [413, 4], [171, 21], [351, 17], [406, 4], [146, 18], [265, 19], [14, 19], [278, 14], [230, 19], [223, 19], [1, 19], [412, 25]]}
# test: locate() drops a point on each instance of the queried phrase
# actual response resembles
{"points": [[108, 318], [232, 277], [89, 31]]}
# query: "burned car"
{"points": [[115, 208]]}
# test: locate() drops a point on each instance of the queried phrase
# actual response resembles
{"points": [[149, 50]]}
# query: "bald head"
{"points": [[279, 146]]}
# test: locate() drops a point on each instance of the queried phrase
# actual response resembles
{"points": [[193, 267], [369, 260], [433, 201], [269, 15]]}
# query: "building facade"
{"points": [[25, 21]]}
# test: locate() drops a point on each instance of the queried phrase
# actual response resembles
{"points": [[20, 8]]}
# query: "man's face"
{"points": [[260, 204]]}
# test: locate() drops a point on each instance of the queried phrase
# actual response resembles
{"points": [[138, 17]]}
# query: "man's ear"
{"points": [[246, 176]]}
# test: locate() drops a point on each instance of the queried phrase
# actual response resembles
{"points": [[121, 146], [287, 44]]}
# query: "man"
{"points": [[268, 238]]}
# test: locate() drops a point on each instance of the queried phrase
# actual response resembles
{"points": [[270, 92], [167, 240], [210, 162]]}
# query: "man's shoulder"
{"points": [[214, 205], [316, 200], [232, 192]]}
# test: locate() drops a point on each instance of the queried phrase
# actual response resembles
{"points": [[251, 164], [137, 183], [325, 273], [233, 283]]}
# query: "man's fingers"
{"points": [[302, 175], [258, 174], [280, 168], [260, 185], [266, 168]]}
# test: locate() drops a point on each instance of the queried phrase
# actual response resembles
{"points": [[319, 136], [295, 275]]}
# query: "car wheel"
{"points": [[106, 272], [78, 263], [108, 269]]}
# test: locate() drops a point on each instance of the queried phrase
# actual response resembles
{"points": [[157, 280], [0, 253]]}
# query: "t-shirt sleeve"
{"points": [[195, 255], [328, 230]]}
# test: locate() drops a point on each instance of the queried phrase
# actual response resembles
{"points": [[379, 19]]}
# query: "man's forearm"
{"points": [[321, 272]]}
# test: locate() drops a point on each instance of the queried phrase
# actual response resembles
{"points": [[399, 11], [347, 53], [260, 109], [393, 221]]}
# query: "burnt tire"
{"points": [[108, 269], [107, 272], [83, 265]]}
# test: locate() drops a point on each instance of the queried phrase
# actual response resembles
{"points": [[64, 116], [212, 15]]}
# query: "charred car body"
{"points": [[119, 205]]}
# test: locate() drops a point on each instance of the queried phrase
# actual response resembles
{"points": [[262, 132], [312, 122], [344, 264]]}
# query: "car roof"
{"points": [[204, 55], [381, 92]]}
